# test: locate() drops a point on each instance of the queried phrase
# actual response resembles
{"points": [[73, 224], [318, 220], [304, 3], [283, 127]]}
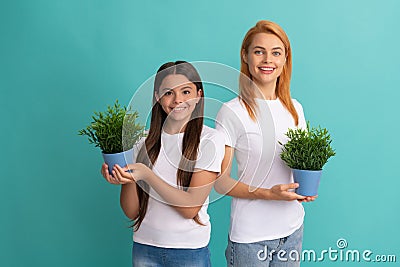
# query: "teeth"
{"points": [[267, 69], [179, 109]]}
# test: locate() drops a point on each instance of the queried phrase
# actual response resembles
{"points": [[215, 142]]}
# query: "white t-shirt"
{"points": [[257, 152], [162, 225]]}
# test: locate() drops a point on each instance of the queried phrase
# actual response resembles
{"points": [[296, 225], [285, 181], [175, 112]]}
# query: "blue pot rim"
{"points": [[129, 150], [307, 170]]}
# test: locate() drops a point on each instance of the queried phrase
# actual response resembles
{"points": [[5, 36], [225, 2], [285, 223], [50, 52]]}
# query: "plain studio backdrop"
{"points": [[61, 60]]}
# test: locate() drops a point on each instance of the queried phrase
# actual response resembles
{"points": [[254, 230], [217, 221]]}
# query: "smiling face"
{"points": [[178, 98], [265, 58]]}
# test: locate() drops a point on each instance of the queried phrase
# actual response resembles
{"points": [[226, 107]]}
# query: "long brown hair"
{"points": [[247, 93], [148, 154]]}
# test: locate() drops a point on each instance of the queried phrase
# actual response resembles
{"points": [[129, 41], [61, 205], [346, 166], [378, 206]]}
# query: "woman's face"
{"points": [[178, 97], [265, 58]]}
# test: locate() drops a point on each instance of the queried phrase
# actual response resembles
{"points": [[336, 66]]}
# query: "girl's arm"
{"points": [[129, 200], [226, 185], [187, 203]]}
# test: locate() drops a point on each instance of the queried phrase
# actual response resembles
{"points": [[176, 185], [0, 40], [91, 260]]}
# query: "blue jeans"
{"points": [[282, 252], [151, 256]]}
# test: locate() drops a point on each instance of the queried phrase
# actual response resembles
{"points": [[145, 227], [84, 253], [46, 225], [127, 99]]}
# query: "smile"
{"points": [[266, 68], [180, 109]]}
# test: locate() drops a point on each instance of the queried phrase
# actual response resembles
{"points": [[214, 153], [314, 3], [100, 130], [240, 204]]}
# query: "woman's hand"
{"points": [[284, 192], [132, 172], [308, 199], [280, 192]]}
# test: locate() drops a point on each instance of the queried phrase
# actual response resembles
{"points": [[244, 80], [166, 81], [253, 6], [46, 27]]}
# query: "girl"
{"points": [[179, 161], [266, 216]]}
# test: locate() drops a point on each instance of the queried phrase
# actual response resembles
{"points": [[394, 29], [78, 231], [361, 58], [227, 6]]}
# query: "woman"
{"points": [[179, 161], [266, 215]]}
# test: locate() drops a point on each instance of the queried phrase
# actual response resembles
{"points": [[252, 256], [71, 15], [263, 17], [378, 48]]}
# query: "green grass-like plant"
{"points": [[114, 130], [307, 149]]}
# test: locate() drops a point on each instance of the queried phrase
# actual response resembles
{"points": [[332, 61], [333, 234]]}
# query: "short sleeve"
{"points": [[226, 124], [211, 152]]}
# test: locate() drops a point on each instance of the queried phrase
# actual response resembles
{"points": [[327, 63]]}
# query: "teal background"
{"points": [[62, 60]]}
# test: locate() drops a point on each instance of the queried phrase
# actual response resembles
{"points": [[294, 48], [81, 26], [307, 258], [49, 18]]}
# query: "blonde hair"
{"points": [[247, 93]]}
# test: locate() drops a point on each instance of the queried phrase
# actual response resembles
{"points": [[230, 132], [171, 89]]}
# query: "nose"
{"points": [[267, 58], [178, 98]]}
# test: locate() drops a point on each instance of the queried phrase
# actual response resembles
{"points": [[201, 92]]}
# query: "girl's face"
{"points": [[265, 58], [178, 97]]}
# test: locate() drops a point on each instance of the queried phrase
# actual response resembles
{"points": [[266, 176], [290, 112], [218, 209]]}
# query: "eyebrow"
{"points": [[164, 89], [169, 89], [186, 87], [274, 48]]}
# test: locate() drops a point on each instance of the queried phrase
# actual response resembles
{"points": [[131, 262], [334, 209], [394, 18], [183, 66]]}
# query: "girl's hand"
{"points": [[132, 172], [110, 178], [113, 179]]}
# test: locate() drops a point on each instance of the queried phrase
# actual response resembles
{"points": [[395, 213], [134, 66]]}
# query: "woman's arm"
{"points": [[226, 185], [187, 203], [129, 200]]}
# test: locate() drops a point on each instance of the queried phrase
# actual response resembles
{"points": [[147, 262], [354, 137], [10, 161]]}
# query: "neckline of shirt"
{"points": [[268, 100], [172, 135]]}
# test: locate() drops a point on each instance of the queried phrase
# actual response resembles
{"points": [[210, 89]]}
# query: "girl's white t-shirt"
{"points": [[257, 152], [162, 225]]}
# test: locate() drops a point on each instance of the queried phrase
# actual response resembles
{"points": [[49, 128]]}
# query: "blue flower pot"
{"points": [[122, 159], [308, 181]]}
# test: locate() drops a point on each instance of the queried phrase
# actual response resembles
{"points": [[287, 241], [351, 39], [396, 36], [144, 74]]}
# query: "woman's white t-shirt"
{"points": [[257, 152], [162, 225]]}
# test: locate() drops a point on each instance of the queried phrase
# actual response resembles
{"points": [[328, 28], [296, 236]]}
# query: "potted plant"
{"points": [[306, 152], [115, 131]]}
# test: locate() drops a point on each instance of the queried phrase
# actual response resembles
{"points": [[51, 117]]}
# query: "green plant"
{"points": [[114, 130], [307, 149]]}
